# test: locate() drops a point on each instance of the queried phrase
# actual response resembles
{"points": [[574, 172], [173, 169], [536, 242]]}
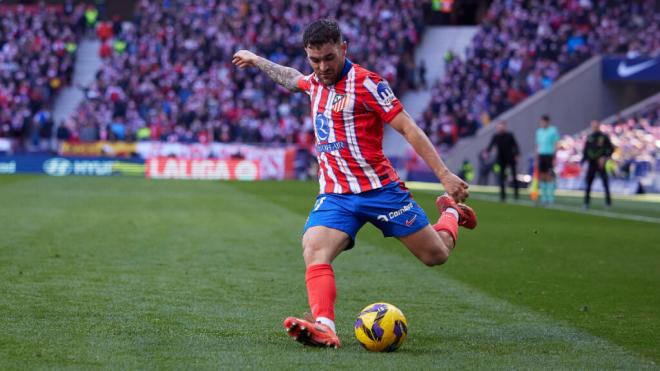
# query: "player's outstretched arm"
{"points": [[285, 76], [455, 186]]}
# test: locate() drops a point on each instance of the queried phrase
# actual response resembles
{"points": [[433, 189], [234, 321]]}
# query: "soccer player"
{"points": [[507, 157], [597, 149], [349, 107], [547, 137]]}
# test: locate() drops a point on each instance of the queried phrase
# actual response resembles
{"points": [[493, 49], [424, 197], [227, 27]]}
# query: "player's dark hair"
{"points": [[545, 118], [322, 31]]}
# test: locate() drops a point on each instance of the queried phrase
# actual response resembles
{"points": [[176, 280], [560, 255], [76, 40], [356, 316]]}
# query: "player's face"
{"points": [[327, 61], [595, 125]]}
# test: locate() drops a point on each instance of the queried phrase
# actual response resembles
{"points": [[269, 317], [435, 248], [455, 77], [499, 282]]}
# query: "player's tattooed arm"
{"points": [[285, 76]]}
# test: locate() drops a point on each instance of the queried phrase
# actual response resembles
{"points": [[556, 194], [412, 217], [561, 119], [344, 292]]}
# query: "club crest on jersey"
{"points": [[385, 93], [338, 103], [321, 127]]}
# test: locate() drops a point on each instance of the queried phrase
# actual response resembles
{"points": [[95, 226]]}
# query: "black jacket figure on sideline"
{"points": [[597, 149], [507, 157]]}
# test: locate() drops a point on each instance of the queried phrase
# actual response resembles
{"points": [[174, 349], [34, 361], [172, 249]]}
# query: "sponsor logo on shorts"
{"points": [[401, 211], [409, 222], [393, 214]]}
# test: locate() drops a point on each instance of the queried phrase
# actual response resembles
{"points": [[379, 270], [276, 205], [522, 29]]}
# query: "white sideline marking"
{"points": [[437, 189]]}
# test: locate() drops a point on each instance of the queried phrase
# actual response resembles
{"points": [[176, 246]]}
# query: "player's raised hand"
{"points": [[456, 187], [244, 58]]}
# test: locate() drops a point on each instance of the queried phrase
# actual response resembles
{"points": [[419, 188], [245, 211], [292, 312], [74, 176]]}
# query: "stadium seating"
{"points": [[37, 51], [170, 78], [520, 50]]}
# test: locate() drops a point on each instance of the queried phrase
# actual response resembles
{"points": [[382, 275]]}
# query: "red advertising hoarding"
{"points": [[173, 168]]}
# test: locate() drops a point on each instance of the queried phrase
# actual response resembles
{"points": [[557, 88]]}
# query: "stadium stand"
{"points": [[167, 74], [520, 50], [37, 51]]}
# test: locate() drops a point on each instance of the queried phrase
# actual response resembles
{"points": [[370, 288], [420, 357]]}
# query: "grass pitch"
{"points": [[125, 273]]}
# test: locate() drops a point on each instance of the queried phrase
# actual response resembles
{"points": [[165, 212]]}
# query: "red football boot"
{"points": [[311, 333], [466, 216]]}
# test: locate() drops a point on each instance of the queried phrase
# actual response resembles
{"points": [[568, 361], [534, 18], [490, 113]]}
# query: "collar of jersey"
{"points": [[347, 67]]}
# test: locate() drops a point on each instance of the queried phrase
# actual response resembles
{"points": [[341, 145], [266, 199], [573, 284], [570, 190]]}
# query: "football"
{"points": [[381, 327]]}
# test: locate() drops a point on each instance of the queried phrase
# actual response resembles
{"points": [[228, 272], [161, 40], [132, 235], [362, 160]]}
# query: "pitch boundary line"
{"points": [[428, 187]]}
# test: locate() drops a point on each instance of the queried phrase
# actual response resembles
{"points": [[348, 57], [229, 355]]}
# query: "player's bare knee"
{"points": [[313, 249], [437, 256]]}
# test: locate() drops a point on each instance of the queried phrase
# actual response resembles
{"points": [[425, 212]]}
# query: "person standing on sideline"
{"points": [[597, 149], [547, 137], [508, 154]]}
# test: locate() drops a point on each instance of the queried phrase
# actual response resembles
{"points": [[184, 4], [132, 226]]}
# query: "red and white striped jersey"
{"points": [[349, 119]]}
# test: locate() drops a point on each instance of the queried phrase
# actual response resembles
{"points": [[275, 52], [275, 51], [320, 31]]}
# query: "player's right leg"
{"points": [[321, 245], [330, 229]]}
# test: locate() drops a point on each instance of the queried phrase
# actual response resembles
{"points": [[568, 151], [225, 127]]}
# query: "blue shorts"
{"points": [[391, 209]]}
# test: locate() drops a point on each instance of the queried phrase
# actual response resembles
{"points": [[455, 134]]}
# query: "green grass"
{"points": [[125, 273]]}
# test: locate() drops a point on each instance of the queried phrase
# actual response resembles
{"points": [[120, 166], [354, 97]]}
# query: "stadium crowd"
{"points": [[167, 74], [37, 51], [636, 140], [524, 46]]}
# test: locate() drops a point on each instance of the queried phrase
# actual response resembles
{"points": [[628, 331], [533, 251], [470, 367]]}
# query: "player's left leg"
{"points": [[393, 210], [433, 243], [431, 247]]}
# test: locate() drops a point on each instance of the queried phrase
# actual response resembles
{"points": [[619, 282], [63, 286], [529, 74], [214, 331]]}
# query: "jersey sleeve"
{"points": [[379, 98], [305, 83]]}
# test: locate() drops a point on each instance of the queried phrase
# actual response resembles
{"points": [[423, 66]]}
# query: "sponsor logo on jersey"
{"points": [[329, 147], [385, 93], [322, 127]]}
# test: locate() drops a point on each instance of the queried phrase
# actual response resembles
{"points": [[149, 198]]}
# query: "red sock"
{"points": [[321, 290], [447, 223]]}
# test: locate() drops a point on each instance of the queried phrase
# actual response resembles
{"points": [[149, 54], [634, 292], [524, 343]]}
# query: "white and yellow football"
{"points": [[381, 327]]}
